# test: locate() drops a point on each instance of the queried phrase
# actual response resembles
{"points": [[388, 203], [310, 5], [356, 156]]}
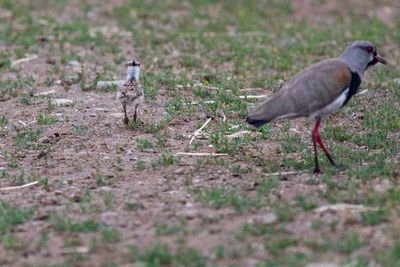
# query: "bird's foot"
{"points": [[126, 120], [333, 163], [340, 167], [317, 170], [139, 123]]}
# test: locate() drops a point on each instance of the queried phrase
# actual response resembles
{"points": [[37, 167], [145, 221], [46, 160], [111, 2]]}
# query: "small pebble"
{"points": [[180, 171], [63, 102], [105, 189]]}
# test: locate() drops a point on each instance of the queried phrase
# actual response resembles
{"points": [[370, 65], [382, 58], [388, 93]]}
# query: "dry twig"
{"points": [[200, 154], [18, 187], [345, 206], [22, 60], [198, 131], [282, 173]]}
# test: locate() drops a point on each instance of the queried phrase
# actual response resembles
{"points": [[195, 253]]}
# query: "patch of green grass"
{"points": [[165, 159], [81, 129], [346, 244], [304, 203], [10, 87], [144, 144], [219, 251], [4, 60], [297, 259], [141, 165], [161, 255], [178, 106], [218, 197], [170, 229], [148, 127], [65, 224], [276, 246], [110, 235], [374, 217], [390, 257], [11, 216], [10, 158], [25, 98], [27, 138], [109, 199], [43, 240], [3, 124], [264, 187], [259, 229], [284, 211], [20, 177], [45, 119], [223, 144]]}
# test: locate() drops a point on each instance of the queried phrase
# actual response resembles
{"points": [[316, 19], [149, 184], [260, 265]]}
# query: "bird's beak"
{"points": [[380, 59]]}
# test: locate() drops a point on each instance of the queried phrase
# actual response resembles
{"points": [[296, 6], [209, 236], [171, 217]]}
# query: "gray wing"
{"points": [[309, 91]]}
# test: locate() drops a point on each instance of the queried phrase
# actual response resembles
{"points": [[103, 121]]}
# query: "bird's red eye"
{"points": [[369, 49]]}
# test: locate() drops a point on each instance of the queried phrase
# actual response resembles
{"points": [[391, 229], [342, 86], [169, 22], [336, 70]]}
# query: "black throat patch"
{"points": [[353, 86]]}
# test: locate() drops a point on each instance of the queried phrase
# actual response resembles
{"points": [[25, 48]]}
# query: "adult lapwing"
{"points": [[319, 90]]}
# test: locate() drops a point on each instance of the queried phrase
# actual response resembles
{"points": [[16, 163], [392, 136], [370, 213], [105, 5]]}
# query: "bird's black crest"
{"points": [[134, 63]]}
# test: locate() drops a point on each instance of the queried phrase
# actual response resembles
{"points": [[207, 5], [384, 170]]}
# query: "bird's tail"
{"points": [[264, 113], [256, 122]]}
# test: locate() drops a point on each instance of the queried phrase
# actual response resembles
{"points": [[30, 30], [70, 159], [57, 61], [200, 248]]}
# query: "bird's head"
{"points": [[133, 70], [359, 55]]}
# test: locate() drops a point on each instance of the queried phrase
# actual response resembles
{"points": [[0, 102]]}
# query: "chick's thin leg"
{"points": [[135, 114], [126, 120]]}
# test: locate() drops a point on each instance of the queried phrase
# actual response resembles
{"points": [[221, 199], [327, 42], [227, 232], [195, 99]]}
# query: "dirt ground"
{"points": [[112, 195]]}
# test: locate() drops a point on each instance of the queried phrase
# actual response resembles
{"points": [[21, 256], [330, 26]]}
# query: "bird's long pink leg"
{"points": [[317, 138], [314, 138]]}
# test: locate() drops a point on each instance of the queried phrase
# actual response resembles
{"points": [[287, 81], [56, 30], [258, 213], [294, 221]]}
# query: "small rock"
{"points": [[131, 156], [74, 63], [268, 218], [180, 171], [397, 81], [58, 192], [117, 115], [63, 102], [188, 213], [92, 114], [76, 197], [105, 189]]}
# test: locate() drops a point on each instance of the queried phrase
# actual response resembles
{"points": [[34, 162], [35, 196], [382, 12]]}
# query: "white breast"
{"points": [[331, 107]]}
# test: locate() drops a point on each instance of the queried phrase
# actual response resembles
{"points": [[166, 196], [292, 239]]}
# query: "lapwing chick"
{"points": [[319, 90], [131, 93]]}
